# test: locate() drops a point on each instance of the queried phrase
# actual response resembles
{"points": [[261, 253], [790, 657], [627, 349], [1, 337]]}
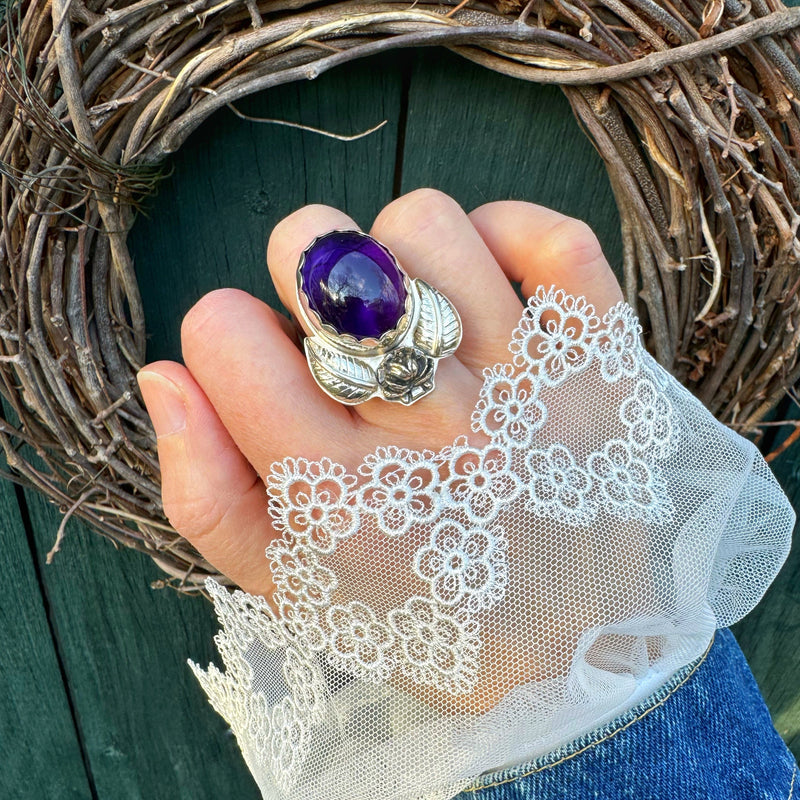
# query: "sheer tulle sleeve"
{"points": [[437, 615]]}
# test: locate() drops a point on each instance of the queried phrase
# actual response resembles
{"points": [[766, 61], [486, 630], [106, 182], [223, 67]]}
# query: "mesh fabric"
{"points": [[440, 614]]}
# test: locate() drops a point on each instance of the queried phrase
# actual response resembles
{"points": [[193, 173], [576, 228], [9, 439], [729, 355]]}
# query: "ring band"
{"points": [[375, 331]]}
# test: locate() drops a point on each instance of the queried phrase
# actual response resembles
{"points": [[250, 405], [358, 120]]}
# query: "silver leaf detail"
{"points": [[438, 331], [345, 378]]}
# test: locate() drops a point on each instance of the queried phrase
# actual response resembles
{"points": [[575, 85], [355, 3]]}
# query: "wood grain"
{"points": [[39, 749], [770, 634], [146, 731]]}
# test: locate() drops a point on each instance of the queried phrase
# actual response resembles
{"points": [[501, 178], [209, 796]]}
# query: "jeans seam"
{"points": [[609, 735], [791, 785]]}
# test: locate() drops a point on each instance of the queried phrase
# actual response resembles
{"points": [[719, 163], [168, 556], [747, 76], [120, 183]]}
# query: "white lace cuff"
{"points": [[441, 614]]}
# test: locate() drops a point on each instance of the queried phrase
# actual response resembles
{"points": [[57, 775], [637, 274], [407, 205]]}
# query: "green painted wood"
{"points": [[148, 729], [40, 754], [770, 634]]}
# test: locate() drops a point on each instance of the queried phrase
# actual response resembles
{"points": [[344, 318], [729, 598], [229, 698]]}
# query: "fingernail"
{"points": [[164, 402]]}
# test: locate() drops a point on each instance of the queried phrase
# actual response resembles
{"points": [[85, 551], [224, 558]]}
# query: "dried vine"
{"points": [[693, 105]]}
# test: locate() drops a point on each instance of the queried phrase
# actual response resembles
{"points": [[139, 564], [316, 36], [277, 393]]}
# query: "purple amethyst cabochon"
{"points": [[353, 284]]}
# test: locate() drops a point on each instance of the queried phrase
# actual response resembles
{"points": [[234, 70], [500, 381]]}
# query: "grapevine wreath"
{"points": [[693, 105]]}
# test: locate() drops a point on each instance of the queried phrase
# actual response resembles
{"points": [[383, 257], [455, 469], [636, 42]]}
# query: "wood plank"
{"points": [[39, 749], [770, 634], [148, 729]]}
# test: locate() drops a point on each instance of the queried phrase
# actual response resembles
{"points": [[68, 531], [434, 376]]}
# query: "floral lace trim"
{"points": [[433, 639]]}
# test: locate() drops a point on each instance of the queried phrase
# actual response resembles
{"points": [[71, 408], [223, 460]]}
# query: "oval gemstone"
{"points": [[353, 284]]}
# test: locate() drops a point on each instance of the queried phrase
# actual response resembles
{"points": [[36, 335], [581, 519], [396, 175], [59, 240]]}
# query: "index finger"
{"points": [[538, 246]]}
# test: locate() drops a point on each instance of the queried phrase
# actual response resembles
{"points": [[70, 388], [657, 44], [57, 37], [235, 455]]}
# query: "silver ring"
{"points": [[375, 331]]}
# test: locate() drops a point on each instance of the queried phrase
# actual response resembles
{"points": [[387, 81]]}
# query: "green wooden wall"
{"points": [[98, 701]]}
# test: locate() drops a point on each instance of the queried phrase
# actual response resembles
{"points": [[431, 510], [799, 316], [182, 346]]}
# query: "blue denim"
{"points": [[706, 734]]}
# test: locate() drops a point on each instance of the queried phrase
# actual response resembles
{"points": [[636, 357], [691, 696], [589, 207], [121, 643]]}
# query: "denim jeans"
{"points": [[706, 734]]}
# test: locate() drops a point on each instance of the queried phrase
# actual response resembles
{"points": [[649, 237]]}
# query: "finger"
{"points": [[435, 240], [290, 237], [259, 384], [435, 419], [541, 247], [211, 495]]}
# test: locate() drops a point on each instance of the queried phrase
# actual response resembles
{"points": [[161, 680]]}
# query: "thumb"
{"points": [[210, 493]]}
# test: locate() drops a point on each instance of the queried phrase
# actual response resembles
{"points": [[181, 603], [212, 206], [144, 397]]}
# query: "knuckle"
{"points": [[190, 516], [417, 210], [574, 246], [281, 234], [199, 322], [194, 517], [284, 228], [292, 233], [574, 240]]}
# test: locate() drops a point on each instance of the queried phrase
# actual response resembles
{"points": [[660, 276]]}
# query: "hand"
{"points": [[246, 397]]}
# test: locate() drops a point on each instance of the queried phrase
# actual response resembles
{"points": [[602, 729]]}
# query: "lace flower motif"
{"points": [[257, 725], [313, 501], [297, 572], [289, 742], [509, 408], [437, 648], [627, 486], [481, 481], [305, 683], [402, 488], [359, 644], [558, 487], [464, 565], [302, 621], [247, 618], [553, 338], [648, 416], [618, 344]]}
